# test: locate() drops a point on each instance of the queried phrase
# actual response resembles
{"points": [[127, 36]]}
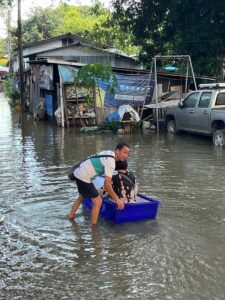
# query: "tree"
{"points": [[75, 19], [179, 27], [41, 24], [89, 76], [108, 31]]}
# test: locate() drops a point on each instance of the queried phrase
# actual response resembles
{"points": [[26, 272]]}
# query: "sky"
{"points": [[27, 5]]}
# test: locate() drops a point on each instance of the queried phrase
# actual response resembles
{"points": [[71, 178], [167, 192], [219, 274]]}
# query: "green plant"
{"points": [[10, 92], [114, 126], [89, 76]]}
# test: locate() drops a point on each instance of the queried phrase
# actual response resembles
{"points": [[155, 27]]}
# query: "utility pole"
{"points": [[9, 38], [20, 52]]}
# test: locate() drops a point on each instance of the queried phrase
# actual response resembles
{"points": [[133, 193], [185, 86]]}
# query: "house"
{"points": [[73, 48], [51, 81]]}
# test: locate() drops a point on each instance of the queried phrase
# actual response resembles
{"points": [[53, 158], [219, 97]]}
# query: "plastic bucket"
{"points": [[114, 116]]}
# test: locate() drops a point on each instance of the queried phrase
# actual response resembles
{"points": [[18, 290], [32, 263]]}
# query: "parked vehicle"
{"points": [[201, 111]]}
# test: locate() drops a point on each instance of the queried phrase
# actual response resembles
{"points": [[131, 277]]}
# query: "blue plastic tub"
{"points": [[144, 208]]}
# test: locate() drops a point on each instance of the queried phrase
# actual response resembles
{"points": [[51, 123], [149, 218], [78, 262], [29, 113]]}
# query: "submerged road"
{"points": [[180, 255]]}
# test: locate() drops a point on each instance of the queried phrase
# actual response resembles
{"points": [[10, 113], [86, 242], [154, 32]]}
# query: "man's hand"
{"points": [[120, 204], [110, 191]]}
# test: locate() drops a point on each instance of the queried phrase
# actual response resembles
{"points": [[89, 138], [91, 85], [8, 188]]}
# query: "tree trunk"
{"points": [[102, 108]]}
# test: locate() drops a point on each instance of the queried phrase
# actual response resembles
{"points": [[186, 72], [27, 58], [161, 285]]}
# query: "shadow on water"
{"points": [[180, 255]]}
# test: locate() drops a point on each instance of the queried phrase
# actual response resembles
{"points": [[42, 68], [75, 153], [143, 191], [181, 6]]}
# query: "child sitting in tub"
{"points": [[124, 183]]}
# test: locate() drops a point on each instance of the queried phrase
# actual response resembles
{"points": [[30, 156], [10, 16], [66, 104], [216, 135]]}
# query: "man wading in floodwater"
{"points": [[86, 171]]}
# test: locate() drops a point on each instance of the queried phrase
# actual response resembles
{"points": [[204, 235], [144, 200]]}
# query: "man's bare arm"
{"points": [[110, 191]]}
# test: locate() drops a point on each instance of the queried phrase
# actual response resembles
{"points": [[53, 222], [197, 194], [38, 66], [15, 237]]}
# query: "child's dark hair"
{"points": [[121, 145], [121, 165]]}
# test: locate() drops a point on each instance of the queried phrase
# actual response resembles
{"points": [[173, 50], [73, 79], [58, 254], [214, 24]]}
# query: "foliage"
{"points": [[74, 19], [41, 24], [45, 23], [108, 31], [10, 92], [114, 126], [5, 2], [89, 76], [178, 27], [3, 50]]}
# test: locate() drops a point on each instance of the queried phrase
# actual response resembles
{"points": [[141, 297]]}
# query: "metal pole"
{"points": [[186, 79], [146, 93], [193, 75], [20, 52], [156, 97]]}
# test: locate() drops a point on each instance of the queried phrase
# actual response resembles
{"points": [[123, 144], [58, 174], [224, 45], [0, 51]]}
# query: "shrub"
{"points": [[10, 92]]}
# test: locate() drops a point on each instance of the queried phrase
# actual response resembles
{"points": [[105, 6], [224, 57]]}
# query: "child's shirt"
{"points": [[125, 186]]}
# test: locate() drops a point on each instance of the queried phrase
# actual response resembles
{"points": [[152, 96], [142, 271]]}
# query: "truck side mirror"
{"points": [[180, 104]]}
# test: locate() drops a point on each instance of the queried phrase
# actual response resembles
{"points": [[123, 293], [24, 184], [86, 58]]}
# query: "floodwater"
{"points": [[180, 255]]}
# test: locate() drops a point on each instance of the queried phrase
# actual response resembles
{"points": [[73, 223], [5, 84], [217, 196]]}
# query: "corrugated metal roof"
{"points": [[56, 62], [122, 70]]}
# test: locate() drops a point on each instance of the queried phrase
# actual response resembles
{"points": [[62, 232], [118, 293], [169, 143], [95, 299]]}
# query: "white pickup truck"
{"points": [[201, 111]]}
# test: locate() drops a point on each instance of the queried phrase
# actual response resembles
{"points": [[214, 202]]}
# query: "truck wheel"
{"points": [[171, 126], [219, 137]]}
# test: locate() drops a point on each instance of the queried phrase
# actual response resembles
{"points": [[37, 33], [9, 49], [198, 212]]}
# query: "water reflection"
{"points": [[44, 256]]}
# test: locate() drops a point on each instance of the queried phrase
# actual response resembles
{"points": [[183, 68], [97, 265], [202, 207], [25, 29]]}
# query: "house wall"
{"points": [[51, 44], [123, 62], [42, 47], [75, 50], [86, 55]]}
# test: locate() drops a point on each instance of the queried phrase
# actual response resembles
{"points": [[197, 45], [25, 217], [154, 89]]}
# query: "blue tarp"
{"points": [[132, 89], [67, 73]]}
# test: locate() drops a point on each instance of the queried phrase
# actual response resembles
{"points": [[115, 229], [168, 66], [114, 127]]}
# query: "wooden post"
{"points": [[61, 102], [20, 54], [65, 105], [78, 108]]}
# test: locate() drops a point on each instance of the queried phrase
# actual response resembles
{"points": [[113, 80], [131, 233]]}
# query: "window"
{"points": [[205, 100], [67, 41], [220, 100], [190, 101]]}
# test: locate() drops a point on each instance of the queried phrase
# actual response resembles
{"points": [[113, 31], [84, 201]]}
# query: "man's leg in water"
{"points": [[97, 202], [75, 206]]}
